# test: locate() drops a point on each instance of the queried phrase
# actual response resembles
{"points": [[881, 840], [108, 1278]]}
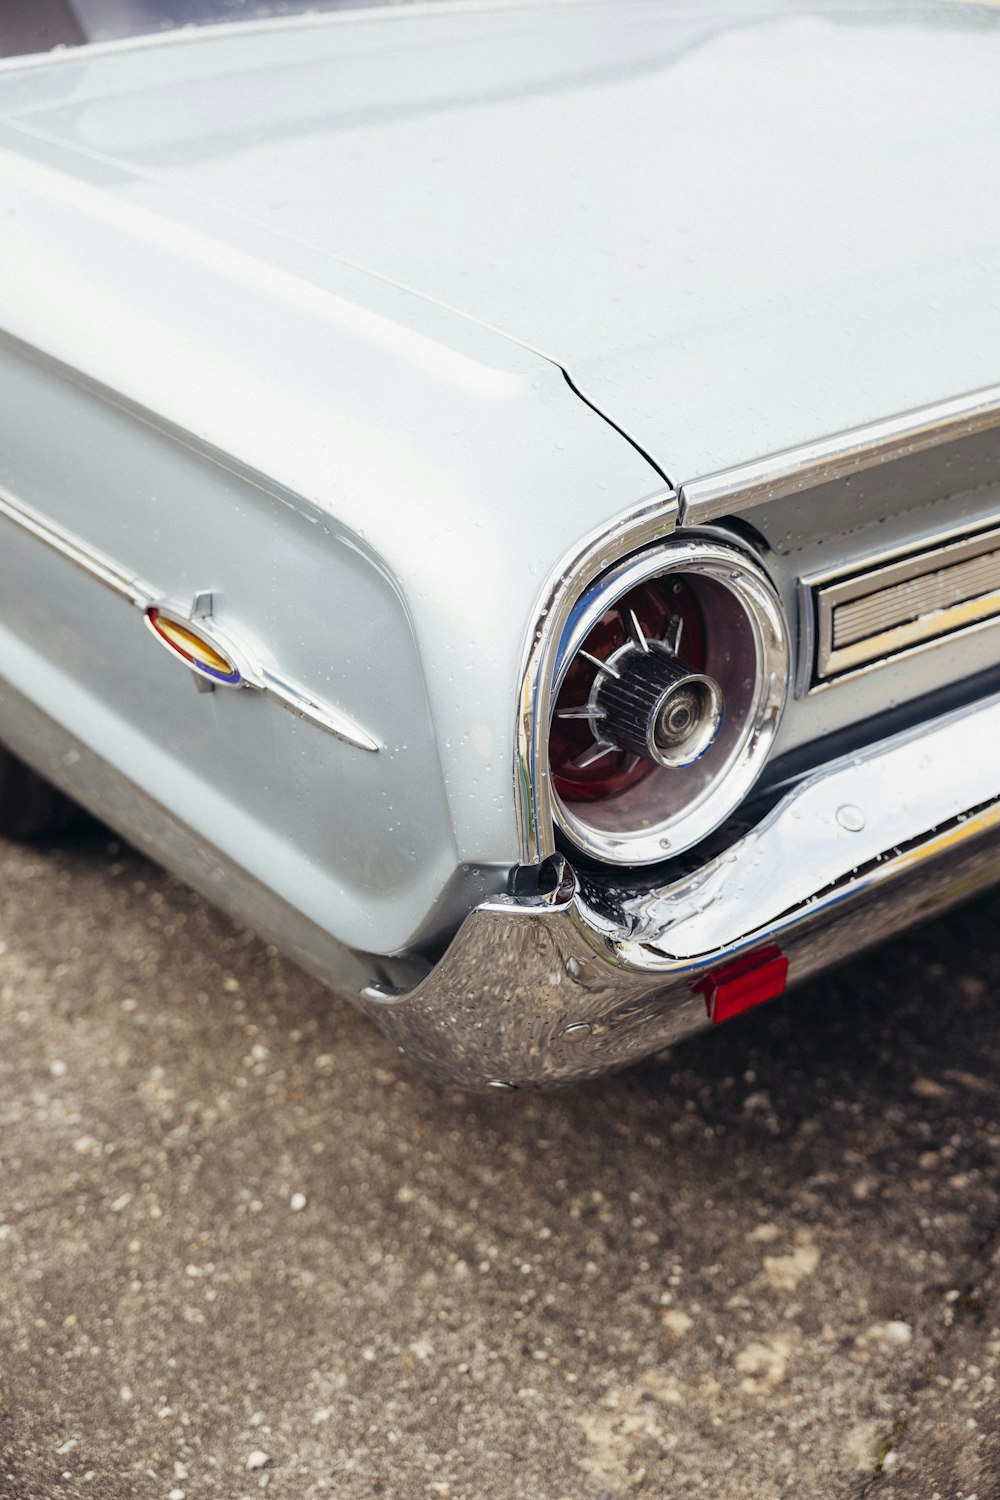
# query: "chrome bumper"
{"points": [[538, 992]]}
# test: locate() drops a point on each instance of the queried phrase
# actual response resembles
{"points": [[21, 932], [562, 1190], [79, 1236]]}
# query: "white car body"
{"points": [[369, 341]]}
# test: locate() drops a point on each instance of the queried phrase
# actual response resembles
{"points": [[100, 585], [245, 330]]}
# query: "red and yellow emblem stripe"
{"points": [[183, 640]]}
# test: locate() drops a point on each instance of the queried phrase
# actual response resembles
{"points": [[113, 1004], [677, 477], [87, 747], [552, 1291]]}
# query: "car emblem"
{"points": [[184, 639]]}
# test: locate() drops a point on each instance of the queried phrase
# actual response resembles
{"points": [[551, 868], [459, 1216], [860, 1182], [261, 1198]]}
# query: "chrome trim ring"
{"points": [[695, 798], [651, 521]]}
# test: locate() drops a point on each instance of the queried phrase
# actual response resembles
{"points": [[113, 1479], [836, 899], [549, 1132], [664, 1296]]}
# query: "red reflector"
{"points": [[744, 983]]}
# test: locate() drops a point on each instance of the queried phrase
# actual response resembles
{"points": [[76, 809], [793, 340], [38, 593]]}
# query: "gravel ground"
{"points": [[244, 1248]]}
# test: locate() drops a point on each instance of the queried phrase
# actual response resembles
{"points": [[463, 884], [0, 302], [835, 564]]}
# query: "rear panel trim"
{"points": [[868, 615]]}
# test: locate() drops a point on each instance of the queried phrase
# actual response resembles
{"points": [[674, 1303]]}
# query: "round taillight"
{"points": [[667, 697]]}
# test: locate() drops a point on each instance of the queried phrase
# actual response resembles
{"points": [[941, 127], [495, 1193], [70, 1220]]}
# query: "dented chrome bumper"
{"points": [[546, 990]]}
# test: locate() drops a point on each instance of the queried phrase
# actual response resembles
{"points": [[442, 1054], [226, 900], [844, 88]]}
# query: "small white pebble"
{"points": [[126, 1393], [231, 985], [297, 1202], [176, 1495], [258, 1459], [120, 1203], [898, 1333], [57, 1068]]}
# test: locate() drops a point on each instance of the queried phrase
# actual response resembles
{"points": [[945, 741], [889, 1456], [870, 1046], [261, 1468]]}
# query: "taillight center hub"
{"points": [[649, 702]]}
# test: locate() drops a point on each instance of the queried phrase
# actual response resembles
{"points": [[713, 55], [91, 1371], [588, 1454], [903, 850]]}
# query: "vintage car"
{"points": [[505, 498]]}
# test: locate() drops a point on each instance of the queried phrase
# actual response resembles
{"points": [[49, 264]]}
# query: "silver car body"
{"points": [[372, 339]]}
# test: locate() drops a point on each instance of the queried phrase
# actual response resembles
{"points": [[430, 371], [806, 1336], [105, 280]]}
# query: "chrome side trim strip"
{"points": [[650, 522], [306, 706], [835, 457], [143, 596], [95, 564]]}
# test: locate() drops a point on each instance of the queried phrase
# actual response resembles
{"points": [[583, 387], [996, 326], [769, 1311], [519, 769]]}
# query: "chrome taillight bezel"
{"points": [[631, 832]]}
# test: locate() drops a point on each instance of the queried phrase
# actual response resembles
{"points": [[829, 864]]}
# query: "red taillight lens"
{"points": [[584, 768]]}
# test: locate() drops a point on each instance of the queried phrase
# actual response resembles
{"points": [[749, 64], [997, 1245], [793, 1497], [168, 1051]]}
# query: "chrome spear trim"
{"points": [[143, 596]]}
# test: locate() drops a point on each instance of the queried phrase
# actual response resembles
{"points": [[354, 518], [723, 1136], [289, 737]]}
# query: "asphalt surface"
{"points": [[245, 1248]]}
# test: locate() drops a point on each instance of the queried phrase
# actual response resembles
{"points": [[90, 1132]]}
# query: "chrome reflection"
{"points": [[540, 992]]}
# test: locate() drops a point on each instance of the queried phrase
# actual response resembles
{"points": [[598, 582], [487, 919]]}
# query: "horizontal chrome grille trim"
{"points": [[908, 603], [884, 611]]}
